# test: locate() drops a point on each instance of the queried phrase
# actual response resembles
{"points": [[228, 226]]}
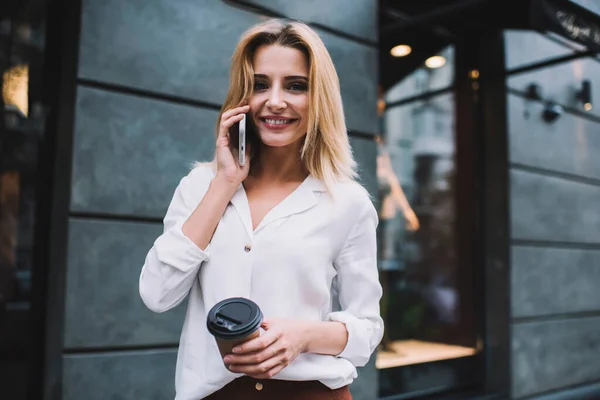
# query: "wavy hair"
{"points": [[326, 152]]}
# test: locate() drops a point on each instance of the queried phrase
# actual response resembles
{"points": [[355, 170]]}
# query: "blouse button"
{"points": [[258, 386], [247, 248]]}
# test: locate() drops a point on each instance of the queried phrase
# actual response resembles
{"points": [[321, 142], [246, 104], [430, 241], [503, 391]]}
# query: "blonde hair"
{"points": [[326, 152]]}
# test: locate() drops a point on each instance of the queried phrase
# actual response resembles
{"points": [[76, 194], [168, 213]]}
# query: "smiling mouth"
{"points": [[270, 121]]}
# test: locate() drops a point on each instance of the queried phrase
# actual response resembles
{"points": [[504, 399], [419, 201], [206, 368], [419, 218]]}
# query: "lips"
{"points": [[277, 122]]}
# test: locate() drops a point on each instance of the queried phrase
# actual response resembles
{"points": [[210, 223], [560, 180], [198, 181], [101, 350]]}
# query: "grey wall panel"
{"points": [[356, 66], [103, 305], [592, 5], [130, 152], [365, 154], [570, 144], [366, 386], [554, 354], [553, 209], [178, 47], [586, 392], [549, 281], [184, 48], [148, 375], [561, 82], [356, 17], [519, 46]]}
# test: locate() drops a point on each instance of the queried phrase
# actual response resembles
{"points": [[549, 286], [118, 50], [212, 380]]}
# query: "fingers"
{"points": [[258, 344], [255, 370], [231, 117], [266, 324], [270, 373], [254, 358], [226, 124], [223, 141], [264, 369], [235, 111], [246, 166]]}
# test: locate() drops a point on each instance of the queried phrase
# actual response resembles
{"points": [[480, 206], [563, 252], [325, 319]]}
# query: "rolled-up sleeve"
{"points": [[359, 289], [174, 260]]}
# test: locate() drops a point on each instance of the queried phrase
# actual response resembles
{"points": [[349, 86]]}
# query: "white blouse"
{"points": [[312, 257]]}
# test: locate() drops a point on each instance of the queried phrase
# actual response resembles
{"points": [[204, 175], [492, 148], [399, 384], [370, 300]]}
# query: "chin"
{"points": [[277, 139]]}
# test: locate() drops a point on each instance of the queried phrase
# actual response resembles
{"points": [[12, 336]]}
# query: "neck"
{"points": [[280, 164]]}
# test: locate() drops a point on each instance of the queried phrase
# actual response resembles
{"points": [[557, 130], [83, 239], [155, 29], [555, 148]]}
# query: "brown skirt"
{"points": [[246, 388]]}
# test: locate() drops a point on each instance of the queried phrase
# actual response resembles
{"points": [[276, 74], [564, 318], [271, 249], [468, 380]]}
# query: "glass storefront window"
{"points": [[418, 260], [22, 35]]}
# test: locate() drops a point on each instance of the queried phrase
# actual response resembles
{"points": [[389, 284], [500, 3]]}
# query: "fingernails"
{"points": [[227, 359], [236, 350]]}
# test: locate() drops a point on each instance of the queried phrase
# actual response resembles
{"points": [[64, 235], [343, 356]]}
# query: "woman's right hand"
{"points": [[228, 166]]}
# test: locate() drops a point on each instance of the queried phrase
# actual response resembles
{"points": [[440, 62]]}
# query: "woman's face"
{"points": [[279, 103]]}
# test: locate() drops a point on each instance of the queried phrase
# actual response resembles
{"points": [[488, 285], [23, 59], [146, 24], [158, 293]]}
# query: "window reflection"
{"points": [[416, 235], [424, 79]]}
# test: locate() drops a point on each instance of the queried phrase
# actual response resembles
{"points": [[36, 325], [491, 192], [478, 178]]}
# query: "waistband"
{"points": [[246, 388]]}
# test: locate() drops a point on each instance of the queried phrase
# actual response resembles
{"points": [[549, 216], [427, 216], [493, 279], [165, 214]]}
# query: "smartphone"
{"points": [[242, 141]]}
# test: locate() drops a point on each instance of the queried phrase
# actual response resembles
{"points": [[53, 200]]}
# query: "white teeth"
{"points": [[278, 121]]}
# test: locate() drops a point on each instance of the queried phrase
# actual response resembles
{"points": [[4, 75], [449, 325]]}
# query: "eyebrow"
{"points": [[289, 78]]}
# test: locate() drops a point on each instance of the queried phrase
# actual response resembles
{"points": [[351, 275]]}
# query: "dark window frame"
{"points": [[54, 189]]}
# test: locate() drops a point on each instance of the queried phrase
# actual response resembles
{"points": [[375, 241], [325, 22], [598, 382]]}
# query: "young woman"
{"points": [[291, 230]]}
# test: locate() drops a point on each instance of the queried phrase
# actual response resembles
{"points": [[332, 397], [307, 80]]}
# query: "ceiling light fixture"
{"points": [[401, 50], [435, 62]]}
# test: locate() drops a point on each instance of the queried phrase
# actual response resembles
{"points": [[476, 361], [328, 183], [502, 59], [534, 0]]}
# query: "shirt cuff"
{"points": [[174, 248], [357, 349]]}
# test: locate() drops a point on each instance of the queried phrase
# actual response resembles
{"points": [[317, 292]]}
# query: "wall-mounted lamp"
{"points": [[533, 92], [551, 112], [585, 95]]}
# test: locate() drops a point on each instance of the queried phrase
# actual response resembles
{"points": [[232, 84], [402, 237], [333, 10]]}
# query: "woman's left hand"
{"points": [[265, 356]]}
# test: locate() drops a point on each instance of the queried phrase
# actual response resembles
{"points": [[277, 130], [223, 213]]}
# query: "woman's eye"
{"points": [[259, 86], [298, 87]]}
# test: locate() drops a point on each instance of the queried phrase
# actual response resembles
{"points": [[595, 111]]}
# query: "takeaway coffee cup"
{"points": [[233, 321]]}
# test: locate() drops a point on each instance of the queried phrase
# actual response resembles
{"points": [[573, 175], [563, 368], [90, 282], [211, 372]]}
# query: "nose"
{"points": [[275, 100]]}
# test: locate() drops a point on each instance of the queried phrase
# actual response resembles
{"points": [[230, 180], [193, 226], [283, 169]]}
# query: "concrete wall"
{"points": [[151, 77], [592, 5], [555, 225]]}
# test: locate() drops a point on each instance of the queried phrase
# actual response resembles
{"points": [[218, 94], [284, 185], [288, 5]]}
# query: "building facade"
{"points": [[480, 160]]}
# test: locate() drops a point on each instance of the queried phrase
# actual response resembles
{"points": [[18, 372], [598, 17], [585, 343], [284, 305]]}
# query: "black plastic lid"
{"points": [[234, 318]]}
